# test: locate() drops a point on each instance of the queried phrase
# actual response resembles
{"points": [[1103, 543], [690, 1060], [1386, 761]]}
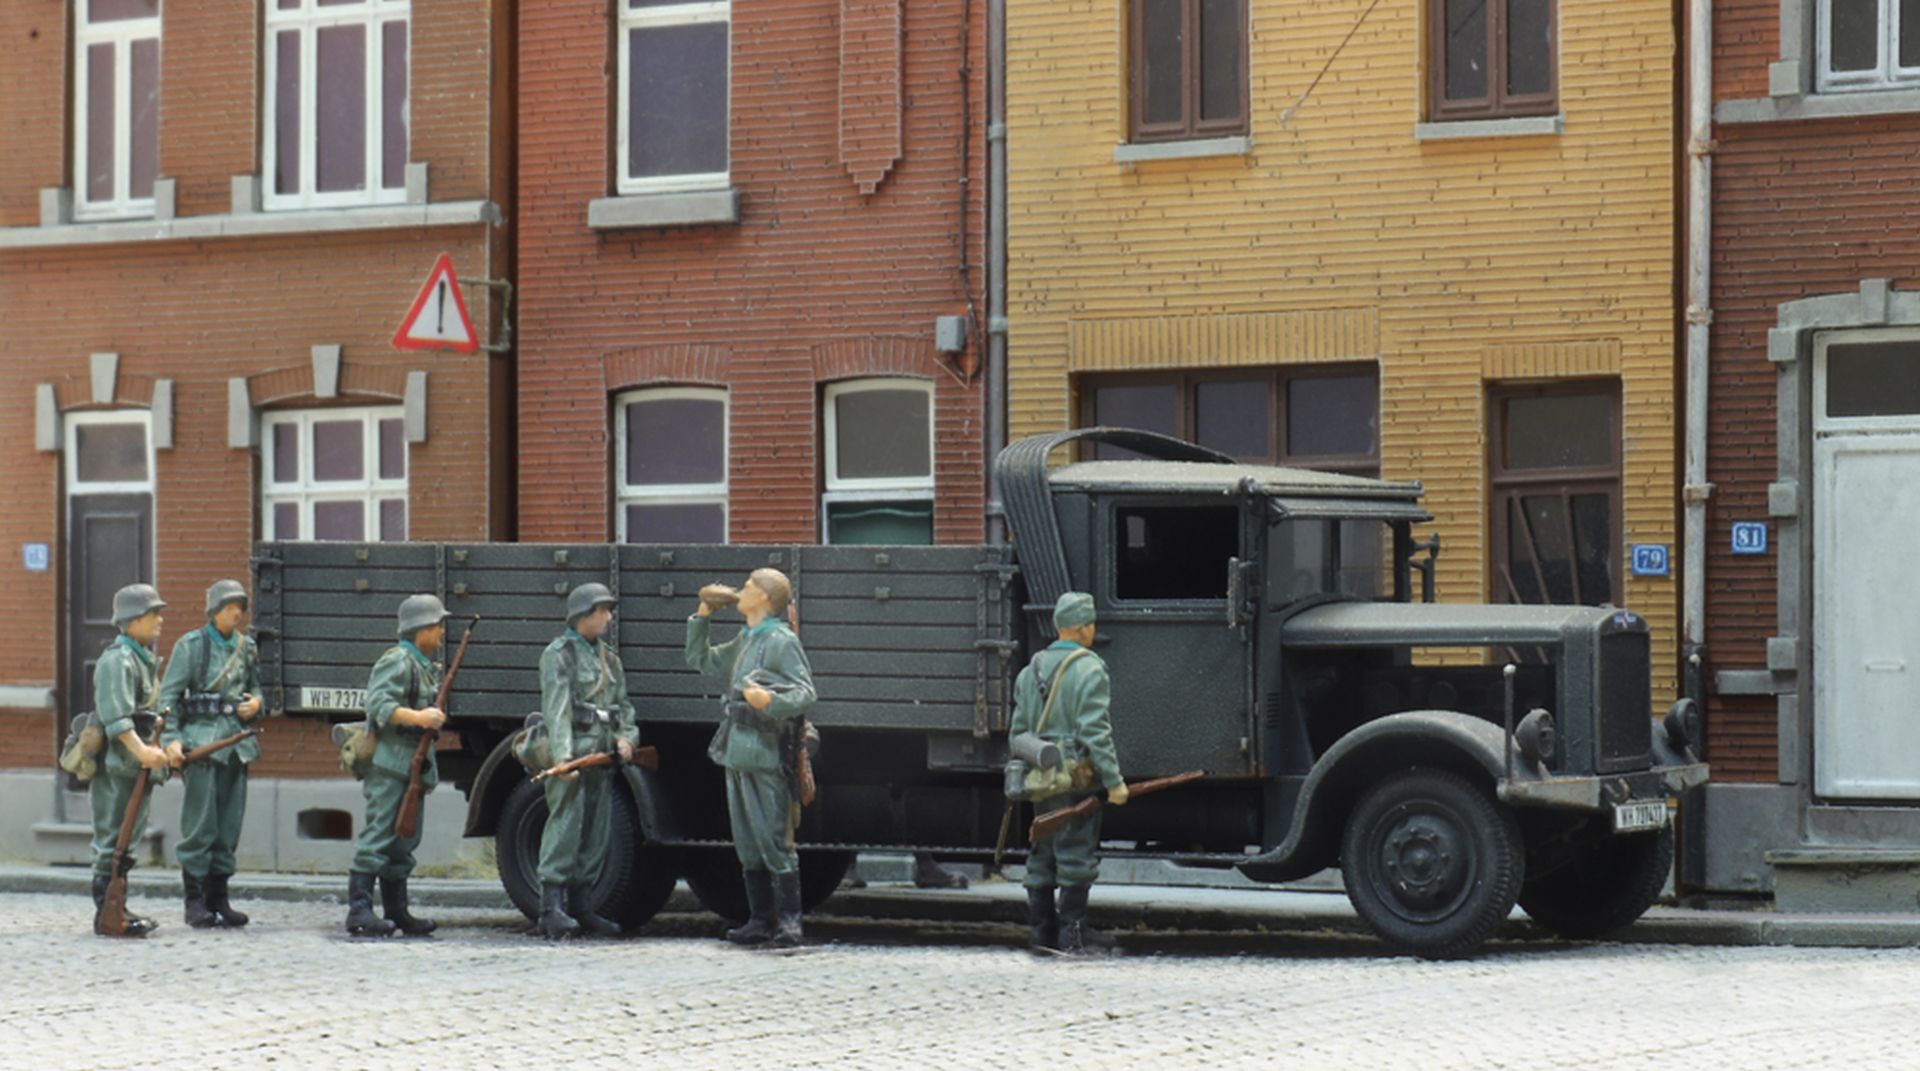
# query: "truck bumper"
{"points": [[1603, 792]]}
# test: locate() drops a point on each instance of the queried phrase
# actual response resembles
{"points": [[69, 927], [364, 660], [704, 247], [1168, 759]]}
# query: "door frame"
{"points": [[72, 487]]}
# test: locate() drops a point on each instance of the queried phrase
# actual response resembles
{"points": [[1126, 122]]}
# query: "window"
{"points": [[1321, 417], [673, 95], [1189, 69], [1492, 59], [1866, 380], [1868, 44], [1339, 557], [879, 461], [1174, 552], [670, 466], [334, 474], [335, 114], [1556, 494], [116, 107]]}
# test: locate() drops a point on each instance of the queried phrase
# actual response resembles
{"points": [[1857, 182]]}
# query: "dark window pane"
{"points": [[1466, 49], [289, 5], [677, 522], [286, 520], [111, 453], [1909, 51], [677, 100], [144, 78], [337, 3], [340, 64], [393, 105], [113, 10], [1540, 549], [340, 520], [1147, 406], [1854, 34], [1593, 548], [286, 453], [339, 450], [882, 433], [100, 108], [1174, 552], [886, 523], [393, 450], [1529, 46], [393, 520], [1360, 569], [1331, 416], [1234, 417], [1873, 379], [1220, 50], [678, 441], [1560, 431], [1164, 44], [286, 113]]}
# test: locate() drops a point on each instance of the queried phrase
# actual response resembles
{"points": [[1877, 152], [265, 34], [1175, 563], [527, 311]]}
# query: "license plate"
{"points": [[354, 699], [1638, 815]]}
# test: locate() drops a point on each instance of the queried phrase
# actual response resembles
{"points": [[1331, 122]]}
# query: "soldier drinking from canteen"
{"points": [[211, 691], [769, 686], [1062, 696], [125, 685], [399, 707], [583, 701]]}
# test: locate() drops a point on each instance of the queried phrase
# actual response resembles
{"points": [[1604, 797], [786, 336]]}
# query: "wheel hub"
{"points": [[1424, 862]]}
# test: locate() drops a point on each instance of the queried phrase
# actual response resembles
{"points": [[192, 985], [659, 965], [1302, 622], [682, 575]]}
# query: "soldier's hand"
{"points": [[176, 755], [625, 748], [1117, 795], [248, 707], [757, 697], [431, 717], [153, 758], [705, 610]]}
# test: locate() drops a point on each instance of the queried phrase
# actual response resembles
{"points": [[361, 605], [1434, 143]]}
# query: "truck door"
{"points": [[1180, 670]]}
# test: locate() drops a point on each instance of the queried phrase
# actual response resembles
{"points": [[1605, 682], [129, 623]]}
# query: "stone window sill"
{"points": [[1139, 152], [1529, 126], [252, 224], [684, 209], [1818, 106]]}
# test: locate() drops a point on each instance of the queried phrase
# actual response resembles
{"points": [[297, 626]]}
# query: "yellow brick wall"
{"points": [[1341, 236]]}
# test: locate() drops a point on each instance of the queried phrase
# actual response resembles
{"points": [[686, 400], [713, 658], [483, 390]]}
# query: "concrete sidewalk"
{"points": [[1116, 907]]}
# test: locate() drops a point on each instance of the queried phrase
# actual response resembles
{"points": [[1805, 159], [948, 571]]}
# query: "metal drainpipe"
{"points": [[996, 260], [1697, 490]]}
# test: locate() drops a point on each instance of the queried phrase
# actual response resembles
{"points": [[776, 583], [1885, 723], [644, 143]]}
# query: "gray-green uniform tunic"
{"points": [[759, 803], [124, 680], [216, 786], [1069, 857], [572, 671], [404, 677]]}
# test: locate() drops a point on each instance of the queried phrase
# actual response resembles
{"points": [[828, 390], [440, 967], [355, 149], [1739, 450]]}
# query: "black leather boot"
{"points": [[786, 889], [361, 921], [593, 923], [758, 929], [197, 914], [217, 902], [393, 899], [1043, 920], [555, 923], [1076, 937]]}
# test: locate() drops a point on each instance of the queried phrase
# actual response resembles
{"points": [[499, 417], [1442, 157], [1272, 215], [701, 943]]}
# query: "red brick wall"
{"points": [[1746, 38], [33, 100], [812, 262], [1799, 210]]}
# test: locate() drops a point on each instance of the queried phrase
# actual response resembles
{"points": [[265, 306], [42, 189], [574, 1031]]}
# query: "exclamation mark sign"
{"points": [[441, 329]]}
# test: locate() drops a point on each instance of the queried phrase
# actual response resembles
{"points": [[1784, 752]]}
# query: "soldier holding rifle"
{"points": [[583, 700], [125, 685]]}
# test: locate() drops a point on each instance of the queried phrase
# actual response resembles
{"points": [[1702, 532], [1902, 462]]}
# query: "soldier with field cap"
{"points": [[125, 687], [400, 697], [583, 700], [212, 691]]}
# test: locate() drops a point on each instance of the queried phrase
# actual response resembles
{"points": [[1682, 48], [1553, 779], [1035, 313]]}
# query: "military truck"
{"points": [[1260, 623]]}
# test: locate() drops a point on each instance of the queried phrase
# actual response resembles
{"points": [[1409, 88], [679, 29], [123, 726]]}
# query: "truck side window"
{"points": [[1174, 552], [1349, 565]]}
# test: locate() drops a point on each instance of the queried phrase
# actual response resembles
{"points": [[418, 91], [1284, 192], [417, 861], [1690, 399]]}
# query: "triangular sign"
{"points": [[438, 319]]}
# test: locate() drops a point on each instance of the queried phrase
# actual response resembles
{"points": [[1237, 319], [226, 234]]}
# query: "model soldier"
{"points": [[125, 685], [400, 697], [769, 685], [1074, 679], [211, 691], [583, 699]]}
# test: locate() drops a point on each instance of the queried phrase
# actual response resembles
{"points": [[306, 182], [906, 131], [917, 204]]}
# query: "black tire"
{"points": [[1432, 863], [1603, 887], [713, 875], [634, 884]]}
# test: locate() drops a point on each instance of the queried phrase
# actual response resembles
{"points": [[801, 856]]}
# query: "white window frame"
{"points": [[305, 490], [687, 14], [1887, 74], [1824, 424], [670, 494], [876, 489], [74, 421], [309, 19], [121, 34]]}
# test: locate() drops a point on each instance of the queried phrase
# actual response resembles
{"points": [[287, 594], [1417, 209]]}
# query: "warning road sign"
{"points": [[438, 319]]}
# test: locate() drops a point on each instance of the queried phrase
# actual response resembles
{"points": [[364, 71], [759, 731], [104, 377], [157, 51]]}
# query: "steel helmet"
{"points": [[223, 592], [587, 598], [420, 611], [133, 602]]}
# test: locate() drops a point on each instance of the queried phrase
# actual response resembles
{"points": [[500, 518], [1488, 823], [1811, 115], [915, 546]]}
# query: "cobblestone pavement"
{"points": [[292, 991]]}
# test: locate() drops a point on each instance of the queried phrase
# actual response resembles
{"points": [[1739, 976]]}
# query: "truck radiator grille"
{"points": [[1625, 702]]}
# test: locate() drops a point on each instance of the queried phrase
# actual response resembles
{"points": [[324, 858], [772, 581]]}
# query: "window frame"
{"points": [[70, 464], [834, 488], [308, 20], [674, 494], [1823, 341], [1497, 104], [1505, 485], [1886, 74], [1191, 127], [121, 34], [305, 491], [627, 17]]}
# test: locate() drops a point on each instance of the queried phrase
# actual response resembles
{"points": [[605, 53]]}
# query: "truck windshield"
{"points": [[1336, 557]]}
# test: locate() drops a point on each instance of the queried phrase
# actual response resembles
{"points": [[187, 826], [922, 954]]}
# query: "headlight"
{"points": [[1682, 724], [1536, 736]]}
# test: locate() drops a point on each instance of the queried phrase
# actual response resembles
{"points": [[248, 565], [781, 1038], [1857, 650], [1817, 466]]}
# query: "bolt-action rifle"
{"points": [[1048, 824], [647, 758], [407, 823]]}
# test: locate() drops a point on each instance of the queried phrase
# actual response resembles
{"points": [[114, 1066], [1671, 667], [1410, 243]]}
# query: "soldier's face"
{"points": [[428, 639], [593, 623], [145, 629], [752, 599], [230, 618]]}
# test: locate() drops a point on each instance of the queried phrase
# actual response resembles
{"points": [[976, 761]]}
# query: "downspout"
{"points": [[1696, 490], [996, 262]]}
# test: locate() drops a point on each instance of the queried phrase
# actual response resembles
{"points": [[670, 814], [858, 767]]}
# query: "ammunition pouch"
{"points": [[742, 712], [86, 742], [586, 715], [531, 746], [356, 746], [195, 705]]}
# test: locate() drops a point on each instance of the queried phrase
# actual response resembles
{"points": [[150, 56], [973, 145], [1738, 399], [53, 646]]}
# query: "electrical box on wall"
{"points": [[950, 333]]}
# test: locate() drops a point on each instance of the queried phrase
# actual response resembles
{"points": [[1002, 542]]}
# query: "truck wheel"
{"points": [[1432, 863], [713, 874], [634, 884], [1604, 887]]}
